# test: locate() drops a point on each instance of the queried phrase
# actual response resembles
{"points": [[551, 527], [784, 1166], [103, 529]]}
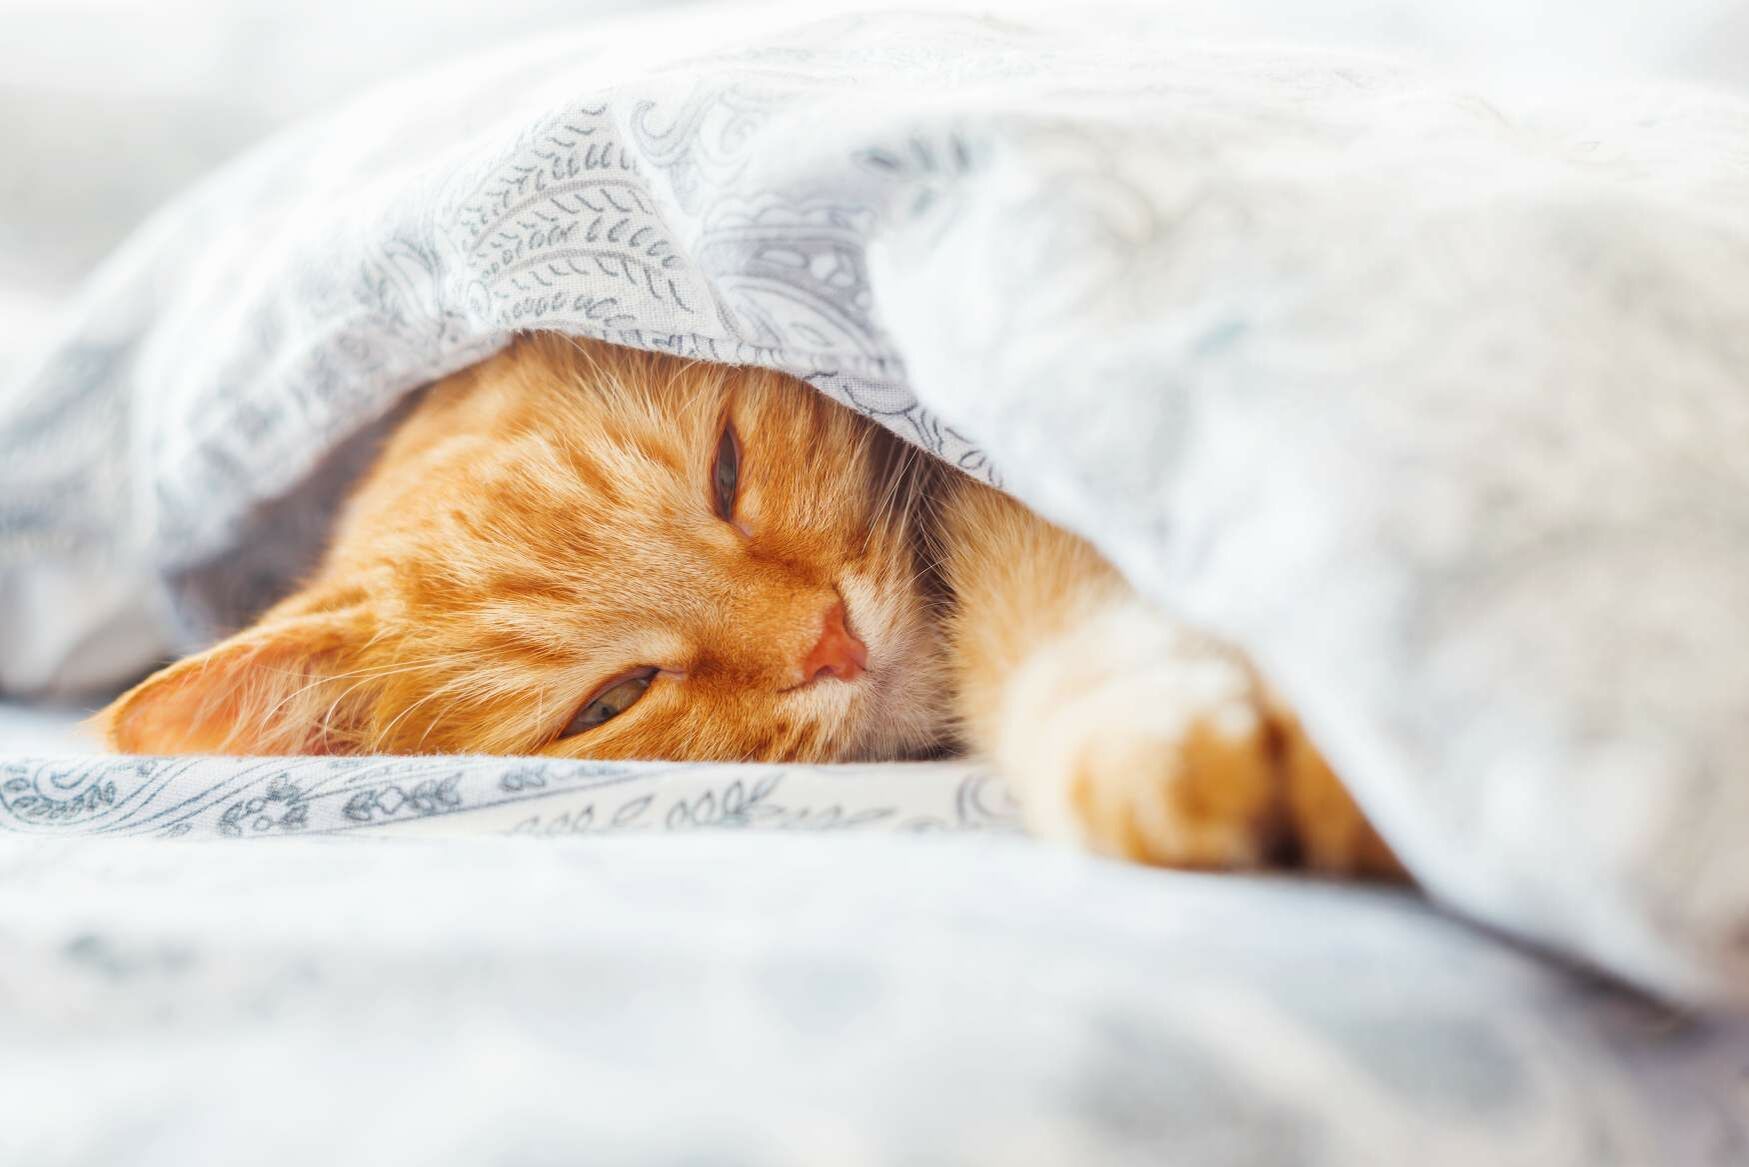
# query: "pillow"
{"points": [[1433, 402]]}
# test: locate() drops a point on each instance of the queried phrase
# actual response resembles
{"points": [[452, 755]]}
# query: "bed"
{"points": [[504, 961], [1531, 677]]}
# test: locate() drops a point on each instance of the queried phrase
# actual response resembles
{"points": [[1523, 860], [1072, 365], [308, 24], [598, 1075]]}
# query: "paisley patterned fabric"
{"points": [[1433, 399], [172, 798]]}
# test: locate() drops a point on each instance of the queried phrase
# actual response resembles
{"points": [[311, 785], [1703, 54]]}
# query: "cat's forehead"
{"points": [[578, 492]]}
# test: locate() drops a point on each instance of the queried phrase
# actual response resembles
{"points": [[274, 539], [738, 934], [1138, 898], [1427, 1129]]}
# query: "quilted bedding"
{"points": [[1358, 461]]}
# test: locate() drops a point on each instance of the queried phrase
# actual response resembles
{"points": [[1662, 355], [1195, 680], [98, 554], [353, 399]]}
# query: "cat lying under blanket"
{"points": [[581, 550]]}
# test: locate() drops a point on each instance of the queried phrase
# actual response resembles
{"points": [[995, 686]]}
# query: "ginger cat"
{"points": [[581, 550]]}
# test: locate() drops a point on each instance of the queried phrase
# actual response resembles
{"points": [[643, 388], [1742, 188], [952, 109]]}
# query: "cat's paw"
{"points": [[1135, 739]]}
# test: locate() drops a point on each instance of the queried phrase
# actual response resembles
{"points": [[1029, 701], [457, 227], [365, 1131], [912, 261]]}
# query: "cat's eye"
{"points": [[726, 474], [612, 700]]}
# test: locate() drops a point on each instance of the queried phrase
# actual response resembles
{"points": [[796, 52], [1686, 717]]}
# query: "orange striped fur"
{"points": [[543, 523]]}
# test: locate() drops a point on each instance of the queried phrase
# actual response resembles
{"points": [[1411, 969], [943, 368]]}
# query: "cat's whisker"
{"points": [[271, 714], [366, 677], [386, 734], [897, 480]]}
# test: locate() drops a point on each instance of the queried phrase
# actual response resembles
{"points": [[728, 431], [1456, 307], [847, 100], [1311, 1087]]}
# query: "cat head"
{"points": [[582, 550]]}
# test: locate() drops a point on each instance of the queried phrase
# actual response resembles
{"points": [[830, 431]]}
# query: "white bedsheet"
{"points": [[799, 1000], [483, 961], [43, 731]]}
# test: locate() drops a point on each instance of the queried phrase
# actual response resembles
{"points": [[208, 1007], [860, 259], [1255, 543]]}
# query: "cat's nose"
{"points": [[838, 654]]}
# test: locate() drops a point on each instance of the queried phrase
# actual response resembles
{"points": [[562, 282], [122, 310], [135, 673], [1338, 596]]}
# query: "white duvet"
{"points": [[1430, 394]]}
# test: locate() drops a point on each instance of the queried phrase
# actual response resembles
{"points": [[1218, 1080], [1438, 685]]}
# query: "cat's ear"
{"points": [[271, 689]]}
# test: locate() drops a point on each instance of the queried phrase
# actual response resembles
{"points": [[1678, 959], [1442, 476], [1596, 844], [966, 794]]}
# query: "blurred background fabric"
{"points": [[137, 100], [132, 102]]}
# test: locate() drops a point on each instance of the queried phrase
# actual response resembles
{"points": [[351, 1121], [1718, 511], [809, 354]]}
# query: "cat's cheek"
{"points": [[905, 707]]}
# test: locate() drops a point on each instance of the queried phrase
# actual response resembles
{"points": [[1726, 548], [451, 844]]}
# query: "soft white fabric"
{"points": [[867, 974], [798, 1000], [35, 730], [1433, 399]]}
